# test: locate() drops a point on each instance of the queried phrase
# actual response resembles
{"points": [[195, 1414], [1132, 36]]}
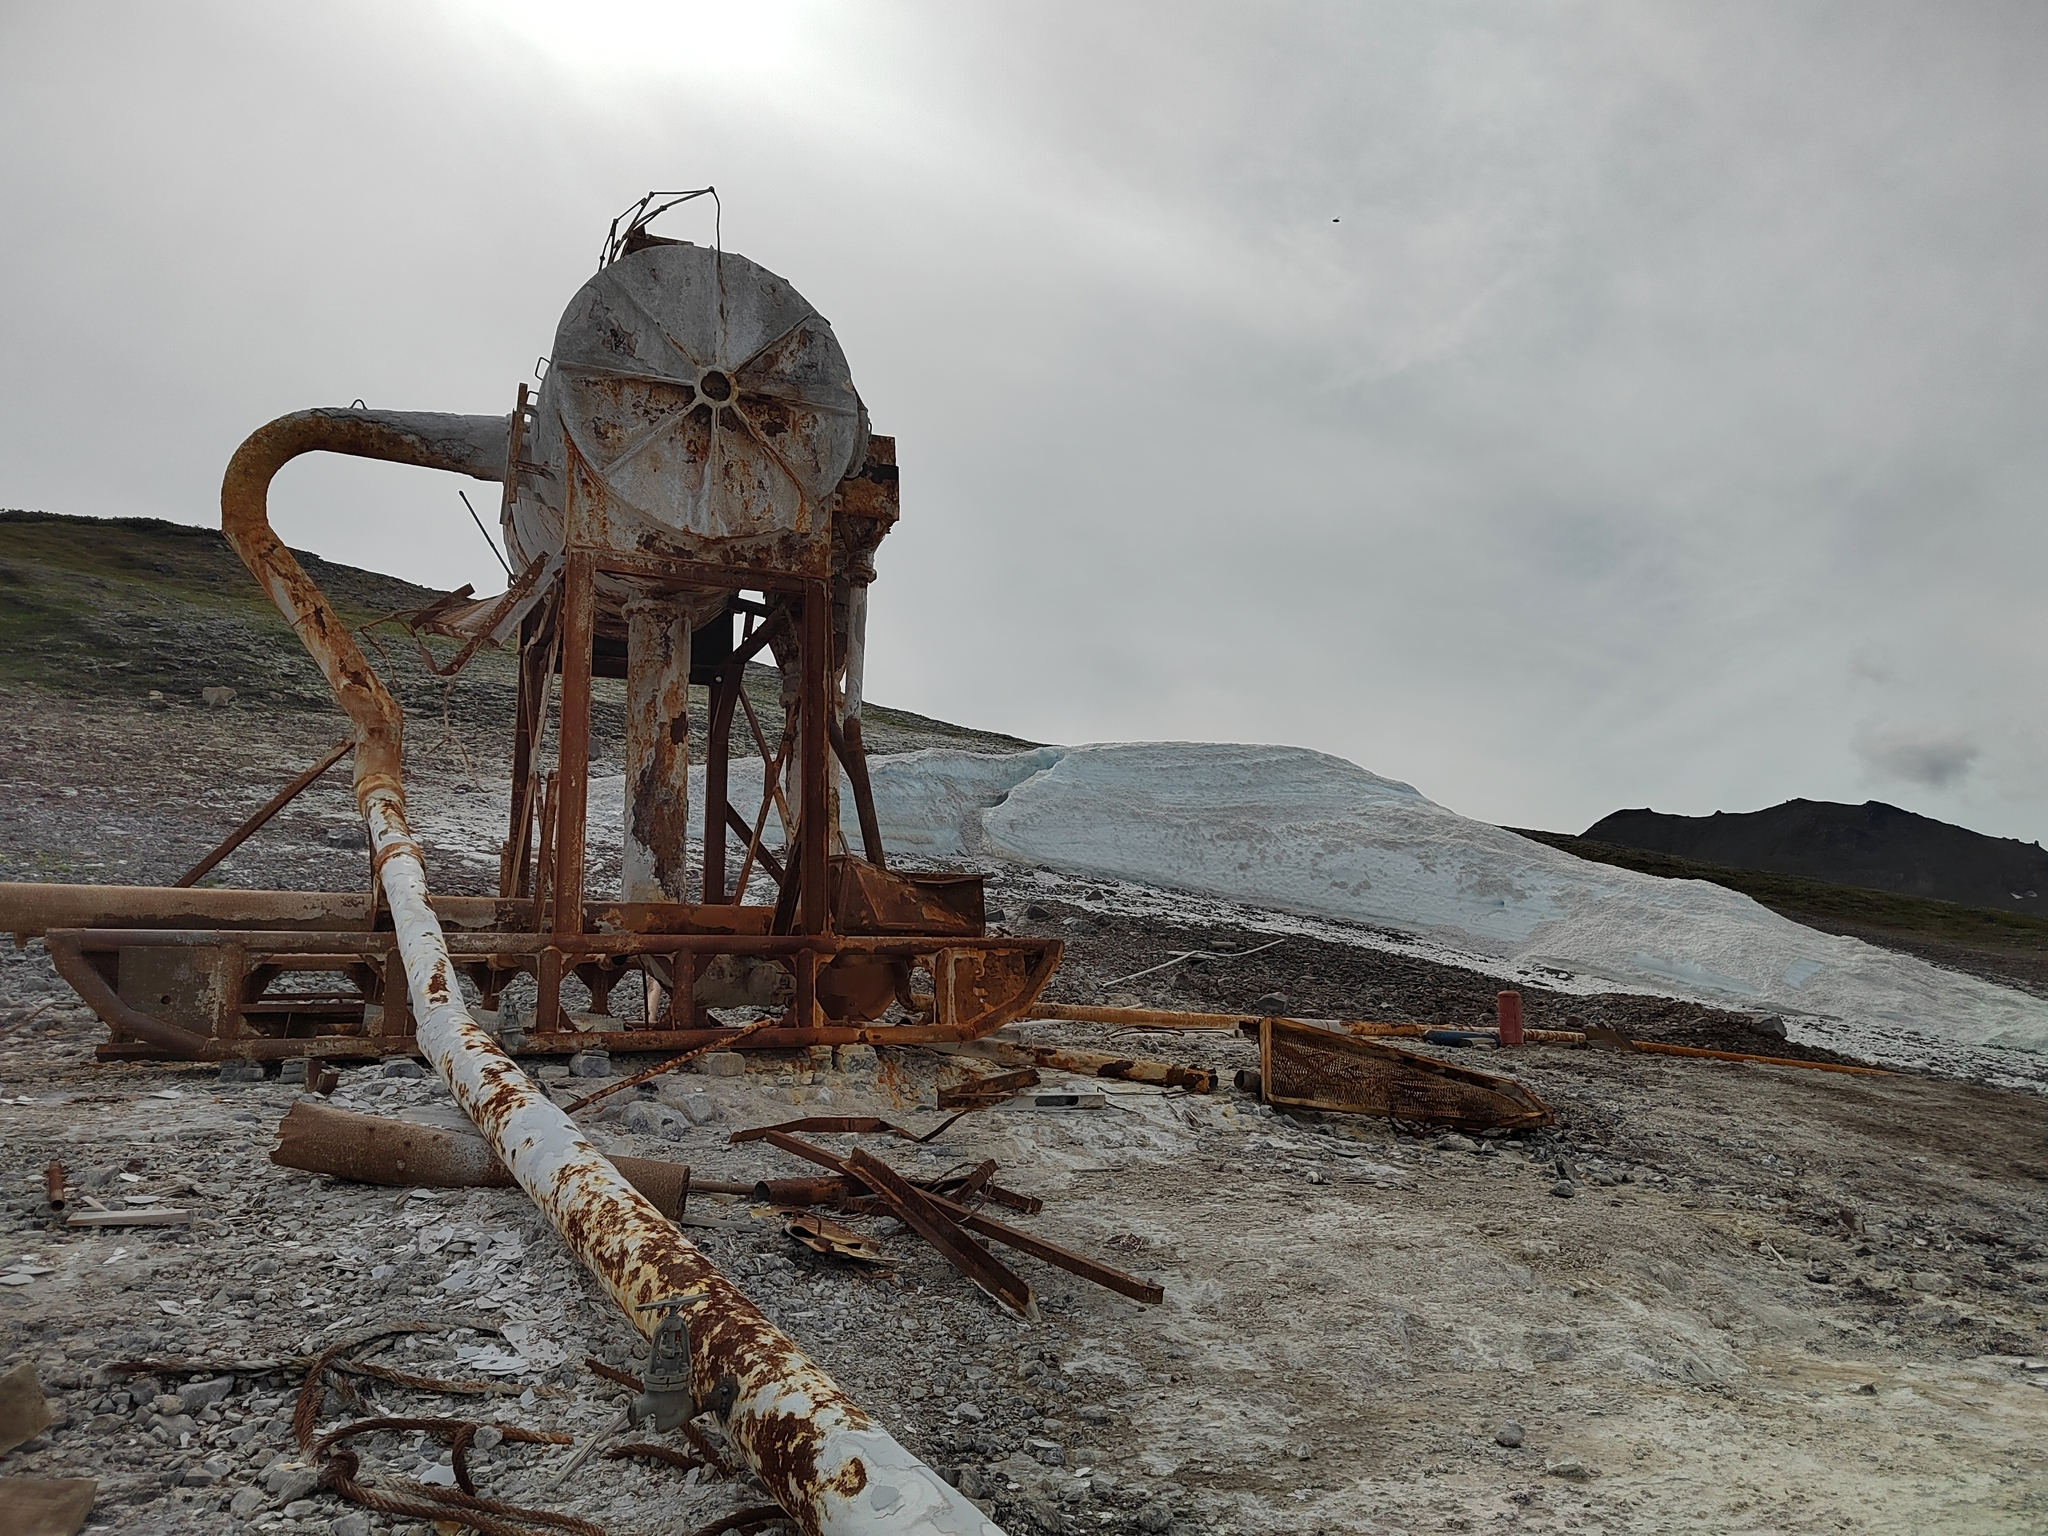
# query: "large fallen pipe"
{"points": [[375, 1149], [825, 1461]]}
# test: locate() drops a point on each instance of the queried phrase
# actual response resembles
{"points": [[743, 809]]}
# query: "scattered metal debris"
{"points": [[831, 1239], [848, 1125], [1310, 1068], [981, 1090], [24, 1411], [887, 1186]]}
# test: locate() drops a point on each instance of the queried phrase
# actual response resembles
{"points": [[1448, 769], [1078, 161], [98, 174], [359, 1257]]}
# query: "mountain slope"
{"points": [[125, 608], [1876, 846]]}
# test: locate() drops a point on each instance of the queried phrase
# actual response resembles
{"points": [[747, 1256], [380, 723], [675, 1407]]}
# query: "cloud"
{"points": [[1929, 757], [1530, 403], [1874, 664]]}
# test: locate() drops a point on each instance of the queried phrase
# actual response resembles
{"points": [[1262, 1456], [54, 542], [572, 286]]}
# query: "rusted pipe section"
{"points": [[374, 1149], [1129, 1069], [831, 1466], [469, 445]]}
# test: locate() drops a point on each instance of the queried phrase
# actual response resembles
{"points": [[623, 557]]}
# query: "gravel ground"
{"points": [[1713, 1298]]}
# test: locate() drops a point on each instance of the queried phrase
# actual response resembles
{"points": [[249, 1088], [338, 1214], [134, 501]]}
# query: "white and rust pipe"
{"points": [[824, 1459]]}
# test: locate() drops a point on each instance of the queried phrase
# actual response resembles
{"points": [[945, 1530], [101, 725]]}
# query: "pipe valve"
{"points": [[667, 1399]]}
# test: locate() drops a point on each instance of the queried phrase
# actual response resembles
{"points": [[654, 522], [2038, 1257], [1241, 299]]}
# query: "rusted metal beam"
{"points": [[655, 857], [1052, 1253], [920, 1212], [1130, 1069], [572, 776], [1135, 1018], [254, 824]]}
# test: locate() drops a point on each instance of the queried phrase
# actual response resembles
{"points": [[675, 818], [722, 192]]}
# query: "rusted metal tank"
{"points": [[711, 414]]}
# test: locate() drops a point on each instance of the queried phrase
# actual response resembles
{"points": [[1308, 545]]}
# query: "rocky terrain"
{"points": [[1711, 1298]]}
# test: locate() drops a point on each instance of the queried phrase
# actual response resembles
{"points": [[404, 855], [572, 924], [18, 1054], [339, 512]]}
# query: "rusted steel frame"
{"points": [[771, 764], [815, 757], [824, 1460], [296, 941], [537, 662], [846, 742], [726, 694], [748, 575], [733, 1037], [69, 959], [756, 848], [565, 1042], [771, 796], [373, 1149], [276, 803], [817, 1452], [518, 849], [718, 809], [28, 910], [917, 1210], [572, 775], [544, 853]]}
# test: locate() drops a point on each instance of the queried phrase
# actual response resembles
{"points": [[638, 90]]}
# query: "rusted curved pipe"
{"points": [[832, 1467], [468, 445]]}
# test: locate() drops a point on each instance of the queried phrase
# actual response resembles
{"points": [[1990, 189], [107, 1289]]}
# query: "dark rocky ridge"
{"points": [[1876, 846]]}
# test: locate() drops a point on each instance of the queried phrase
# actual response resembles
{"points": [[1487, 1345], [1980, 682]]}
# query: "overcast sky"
{"points": [[1559, 407]]}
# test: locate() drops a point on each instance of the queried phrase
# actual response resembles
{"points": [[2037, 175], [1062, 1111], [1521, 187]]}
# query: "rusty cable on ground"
{"points": [[641, 1449], [614, 1375], [670, 1065], [444, 1506], [425, 1383], [338, 1468]]}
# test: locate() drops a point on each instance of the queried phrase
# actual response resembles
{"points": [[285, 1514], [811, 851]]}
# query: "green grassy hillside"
{"points": [[120, 608]]}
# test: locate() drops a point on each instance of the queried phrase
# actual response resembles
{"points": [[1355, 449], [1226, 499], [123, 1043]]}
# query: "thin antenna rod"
{"points": [[480, 528]]}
